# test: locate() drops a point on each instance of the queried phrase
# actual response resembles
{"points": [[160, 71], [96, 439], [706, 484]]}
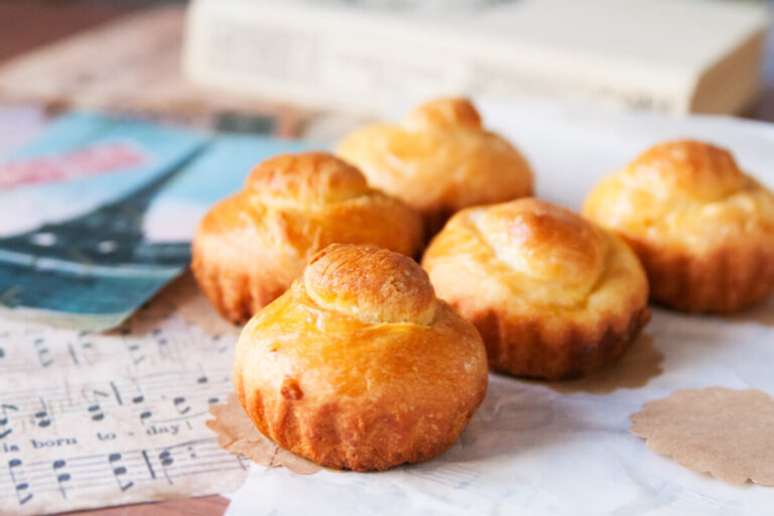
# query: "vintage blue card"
{"points": [[98, 212]]}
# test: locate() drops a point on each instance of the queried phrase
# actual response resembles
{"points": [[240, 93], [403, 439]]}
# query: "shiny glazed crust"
{"points": [[358, 365], [703, 229], [439, 160], [552, 295], [250, 247]]}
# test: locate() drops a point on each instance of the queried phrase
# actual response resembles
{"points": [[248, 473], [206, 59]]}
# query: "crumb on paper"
{"points": [[723, 432], [237, 434]]}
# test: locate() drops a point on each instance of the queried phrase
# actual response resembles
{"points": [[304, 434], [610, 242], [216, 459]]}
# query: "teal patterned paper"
{"points": [[216, 173], [97, 214]]}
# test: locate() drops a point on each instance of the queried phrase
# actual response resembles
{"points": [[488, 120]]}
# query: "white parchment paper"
{"points": [[536, 448]]}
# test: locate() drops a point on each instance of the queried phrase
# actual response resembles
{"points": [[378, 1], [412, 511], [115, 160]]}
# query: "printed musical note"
{"points": [[95, 407], [96, 412], [82, 353], [21, 486], [119, 471], [164, 347], [145, 415], [41, 417], [62, 476], [181, 405], [5, 426], [135, 351], [116, 393], [44, 353], [158, 334], [166, 459]]}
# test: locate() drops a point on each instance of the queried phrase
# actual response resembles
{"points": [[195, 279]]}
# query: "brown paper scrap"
{"points": [[238, 435], [724, 432], [641, 363]]}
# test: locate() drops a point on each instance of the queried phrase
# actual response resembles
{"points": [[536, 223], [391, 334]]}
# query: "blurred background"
{"points": [[300, 67]]}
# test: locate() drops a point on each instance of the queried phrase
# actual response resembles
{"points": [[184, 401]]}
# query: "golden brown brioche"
{"points": [[439, 160], [250, 247], [703, 229], [553, 295], [358, 365]]}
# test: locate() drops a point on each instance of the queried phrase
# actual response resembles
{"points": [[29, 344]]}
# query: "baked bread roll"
{"points": [[703, 229], [250, 247], [439, 160], [358, 365], [552, 295]]}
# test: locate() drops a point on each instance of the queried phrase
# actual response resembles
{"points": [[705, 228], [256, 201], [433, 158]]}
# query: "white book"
{"points": [[673, 56]]}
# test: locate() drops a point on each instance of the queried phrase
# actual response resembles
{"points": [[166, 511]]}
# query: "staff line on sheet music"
{"points": [[125, 470]]}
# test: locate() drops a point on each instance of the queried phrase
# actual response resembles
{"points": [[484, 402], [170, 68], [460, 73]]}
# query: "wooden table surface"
{"points": [[55, 20], [202, 506]]}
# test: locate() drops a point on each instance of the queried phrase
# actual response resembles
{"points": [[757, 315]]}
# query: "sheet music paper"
{"points": [[92, 420]]}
